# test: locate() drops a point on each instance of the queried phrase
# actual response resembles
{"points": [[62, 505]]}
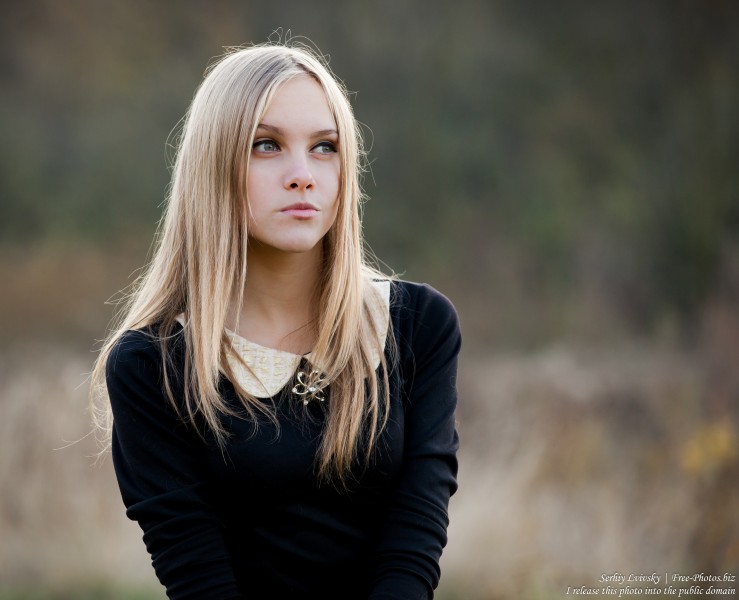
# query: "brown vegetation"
{"points": [[575, 462]]}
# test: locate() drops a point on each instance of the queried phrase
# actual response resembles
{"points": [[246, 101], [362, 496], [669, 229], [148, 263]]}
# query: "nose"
{"points": [[299, 176]]}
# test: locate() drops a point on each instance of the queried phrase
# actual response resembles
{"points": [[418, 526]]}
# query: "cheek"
{"points": [[258, 188], [335, 207], [256, 178], [334, 182]]}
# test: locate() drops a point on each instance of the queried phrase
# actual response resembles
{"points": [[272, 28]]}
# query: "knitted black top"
{"points": [[252, 522]]}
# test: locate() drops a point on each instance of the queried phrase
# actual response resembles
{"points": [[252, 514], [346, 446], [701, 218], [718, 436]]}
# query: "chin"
{"points": [[299, 243], [299, 248]]}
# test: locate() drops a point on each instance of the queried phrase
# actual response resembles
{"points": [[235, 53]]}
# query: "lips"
{"points": [[301, 210], [300, 206]]}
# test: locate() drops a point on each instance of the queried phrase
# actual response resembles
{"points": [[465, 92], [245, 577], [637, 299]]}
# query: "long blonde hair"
{"points": [[200, 258]]}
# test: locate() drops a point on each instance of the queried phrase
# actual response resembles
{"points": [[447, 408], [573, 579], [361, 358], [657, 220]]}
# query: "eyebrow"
{"points": [[278, 131]]}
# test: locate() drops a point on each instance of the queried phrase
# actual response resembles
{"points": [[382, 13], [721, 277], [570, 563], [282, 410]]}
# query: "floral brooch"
{"points": [[309, 386]]}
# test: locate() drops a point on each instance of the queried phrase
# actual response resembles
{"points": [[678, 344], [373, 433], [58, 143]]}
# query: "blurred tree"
{"points": [[531, 154]]}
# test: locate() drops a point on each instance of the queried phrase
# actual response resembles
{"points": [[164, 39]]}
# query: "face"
{"points": [[294, 169]]}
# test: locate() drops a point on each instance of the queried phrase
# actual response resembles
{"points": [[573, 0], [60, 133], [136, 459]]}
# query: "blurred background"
{"points": [[565, 172]]}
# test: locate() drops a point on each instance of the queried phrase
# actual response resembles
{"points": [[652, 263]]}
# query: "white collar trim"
{"points": [[265, 371]]}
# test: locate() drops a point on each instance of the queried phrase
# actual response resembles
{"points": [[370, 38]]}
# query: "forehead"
{"points": [[300, 104]]}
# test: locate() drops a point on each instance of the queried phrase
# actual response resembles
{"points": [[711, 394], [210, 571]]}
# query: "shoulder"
{"points": [[424, 320], [141, 350], [422, 303], [134, 345], [135, 374]]}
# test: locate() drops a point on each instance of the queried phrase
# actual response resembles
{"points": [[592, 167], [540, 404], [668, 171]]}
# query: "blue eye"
{"points": [[325, 148], [266, 146]]}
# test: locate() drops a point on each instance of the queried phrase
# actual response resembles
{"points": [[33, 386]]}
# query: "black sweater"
{"points": [[252, 522]]}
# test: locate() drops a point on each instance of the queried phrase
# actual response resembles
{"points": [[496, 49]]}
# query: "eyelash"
{"points": [[330, 145], [325, 144]]}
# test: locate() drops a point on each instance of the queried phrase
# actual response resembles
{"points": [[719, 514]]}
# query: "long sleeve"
{"points": [[415, 532], [158, 461]]}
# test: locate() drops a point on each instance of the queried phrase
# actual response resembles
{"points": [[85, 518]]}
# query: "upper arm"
{"points": [[159, 463]]}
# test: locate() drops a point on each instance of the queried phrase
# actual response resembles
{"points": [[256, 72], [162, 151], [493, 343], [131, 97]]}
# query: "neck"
{"points": [[279, 302]]}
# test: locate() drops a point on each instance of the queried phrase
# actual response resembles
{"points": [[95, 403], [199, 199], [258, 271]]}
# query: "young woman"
{"points": [[281, 416]]}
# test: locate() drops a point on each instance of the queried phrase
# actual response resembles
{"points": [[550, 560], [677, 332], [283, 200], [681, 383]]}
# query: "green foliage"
{"points": [[593, 148]]}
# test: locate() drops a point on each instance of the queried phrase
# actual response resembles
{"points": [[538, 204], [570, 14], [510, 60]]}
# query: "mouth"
{"points": [[301, 210]]}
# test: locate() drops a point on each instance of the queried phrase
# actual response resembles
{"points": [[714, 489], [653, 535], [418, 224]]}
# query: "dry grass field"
{"points": [[575, 462], [579, 463]]}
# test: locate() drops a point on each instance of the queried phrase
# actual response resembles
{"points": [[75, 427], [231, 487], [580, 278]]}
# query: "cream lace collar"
{"points": [[268, 370]]}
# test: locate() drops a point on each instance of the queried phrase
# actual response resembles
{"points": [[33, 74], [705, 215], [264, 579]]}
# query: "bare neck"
{"points": [[279, 306]]}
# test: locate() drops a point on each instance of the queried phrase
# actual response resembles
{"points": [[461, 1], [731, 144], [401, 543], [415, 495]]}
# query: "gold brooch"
{"points": [[309, 386]]}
